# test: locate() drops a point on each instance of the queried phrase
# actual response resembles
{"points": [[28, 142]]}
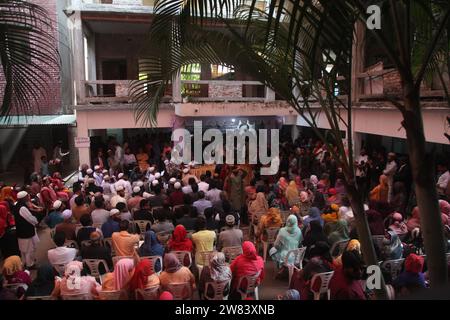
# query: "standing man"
{"points": [[361, 164], [391, 169], [236, 187], [37, 154], [25, 229]]}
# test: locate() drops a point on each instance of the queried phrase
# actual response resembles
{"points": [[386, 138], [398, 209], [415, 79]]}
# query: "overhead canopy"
{"points": [[23, 121]]}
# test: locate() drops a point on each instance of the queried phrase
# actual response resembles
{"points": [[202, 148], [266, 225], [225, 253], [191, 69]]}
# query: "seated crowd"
{"points": [[156, 231]]}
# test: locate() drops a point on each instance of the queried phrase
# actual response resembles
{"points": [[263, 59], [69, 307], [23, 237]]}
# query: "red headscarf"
{"points": [[166, 295], [141, 273], [5, 218], [248, 263], [179, 242], [414, 263]]}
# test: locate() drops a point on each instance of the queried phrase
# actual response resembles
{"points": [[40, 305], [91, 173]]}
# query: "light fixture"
{"points": [[233, 120]]}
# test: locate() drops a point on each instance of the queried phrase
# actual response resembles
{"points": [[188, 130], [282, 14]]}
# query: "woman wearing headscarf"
{"points": [[259, 205], [151, 245], [376, 223], [288, 238], [7, 193], [392, 246], [412, 279], [299, 183], [246, 264], [272, 219], [331, 213], [340, 232], [72, 274], [305, 203], [175, 272], [352, 245], [314, 180], [292, 195], [414, 221], [314, 215], [120, 278], [143, 277], [381, 191], [313, 234], [217, 271], [8, 239], [13, 271], [44, 283], [319, 262], [398, 226], [179, 240]]}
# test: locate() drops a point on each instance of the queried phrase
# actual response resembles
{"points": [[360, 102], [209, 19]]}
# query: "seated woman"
{"points": [[320, 262], [392, 246], [380, 192], [340, 232], [399, 226], [44, 283], [353, 245], [346, 282], [119, 279], [292, 194], [143, 277], [412, 279], [314, 214], [259, 205], [175, 272], [246, 264], [313, 234], [179, 240], [289, 238], [217, 271], [376, 223], [272, 219], [72, 274], [331, 213], [151, 247], [14, 273]]}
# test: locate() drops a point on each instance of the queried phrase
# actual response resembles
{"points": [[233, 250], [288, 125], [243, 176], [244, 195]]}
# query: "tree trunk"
{"points": [[422, 166], [364, 235]]}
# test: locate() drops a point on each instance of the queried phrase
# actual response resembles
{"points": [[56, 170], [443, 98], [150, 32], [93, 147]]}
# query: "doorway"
{"points": [[115, 69]]}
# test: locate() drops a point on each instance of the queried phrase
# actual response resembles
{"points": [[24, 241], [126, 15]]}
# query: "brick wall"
{"points": [[219, 91], [392, 83], [51, 102]]}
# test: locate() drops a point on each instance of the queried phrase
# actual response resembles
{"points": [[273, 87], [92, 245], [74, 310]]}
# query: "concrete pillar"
{"points": [[357, 143], [176, 88], [78, 57], [270, 95], [357, 60], [84, 154]]}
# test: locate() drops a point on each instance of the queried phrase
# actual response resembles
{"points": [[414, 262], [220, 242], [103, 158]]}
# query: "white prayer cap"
{"points": [[177, 185], [136, 189], [119, 188], [155, 182], [89, 171], [166, 162], [105, 171], [186, 170], [146, 195], [120, 176], [151, 169], [172, 180], [57, 204], [106, 178], [97, 168], [114, 212], [139, 183], [67, 214], [22, 194], [157, 175]]}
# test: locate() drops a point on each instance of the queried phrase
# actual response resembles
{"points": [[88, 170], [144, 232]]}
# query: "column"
{"points": [[357, 59], [84, 153], [78, 57], [176, 88], [270, 95]]}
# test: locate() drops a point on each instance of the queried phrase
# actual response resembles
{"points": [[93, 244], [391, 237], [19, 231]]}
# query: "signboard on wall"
{"points": [[82, 142]]}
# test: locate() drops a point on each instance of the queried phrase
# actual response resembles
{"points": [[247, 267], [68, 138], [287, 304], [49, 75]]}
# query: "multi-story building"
{"points": [[100, 43]]}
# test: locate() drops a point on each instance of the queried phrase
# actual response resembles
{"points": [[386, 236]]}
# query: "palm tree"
{"points": [[301, 49], [27, 56]]}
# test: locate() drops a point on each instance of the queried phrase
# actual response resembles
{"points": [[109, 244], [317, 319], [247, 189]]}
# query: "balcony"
{"points": [[113, 6]]}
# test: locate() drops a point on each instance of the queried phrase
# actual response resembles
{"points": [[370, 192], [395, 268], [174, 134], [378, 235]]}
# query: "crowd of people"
{"points": [[306, 203]]}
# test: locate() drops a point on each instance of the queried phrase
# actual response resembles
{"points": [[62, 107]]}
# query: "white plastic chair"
{"points": [[36, 298], [341, 246], [153, 260], [94, 266], [325, 278], [232, 253], [394, 267], [180, 291], [78, 296], [107, 242], [143, 225], [271, 237], [183, 256], [110, 295], [299, 255], [151, 293], [218, 288], [251, 288]]}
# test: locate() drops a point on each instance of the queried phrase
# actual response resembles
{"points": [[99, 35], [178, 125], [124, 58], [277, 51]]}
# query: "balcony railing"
{"points": [[228, 91], [150, 3]]}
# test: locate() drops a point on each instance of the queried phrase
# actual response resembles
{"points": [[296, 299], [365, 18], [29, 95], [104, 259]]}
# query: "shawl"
{"points": [[12, 265], [122, 272], [292, 194], [414, 221], [219, 270], [179, 241], [171, 263], [259, 204], [151, 245], [143, 270]]}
